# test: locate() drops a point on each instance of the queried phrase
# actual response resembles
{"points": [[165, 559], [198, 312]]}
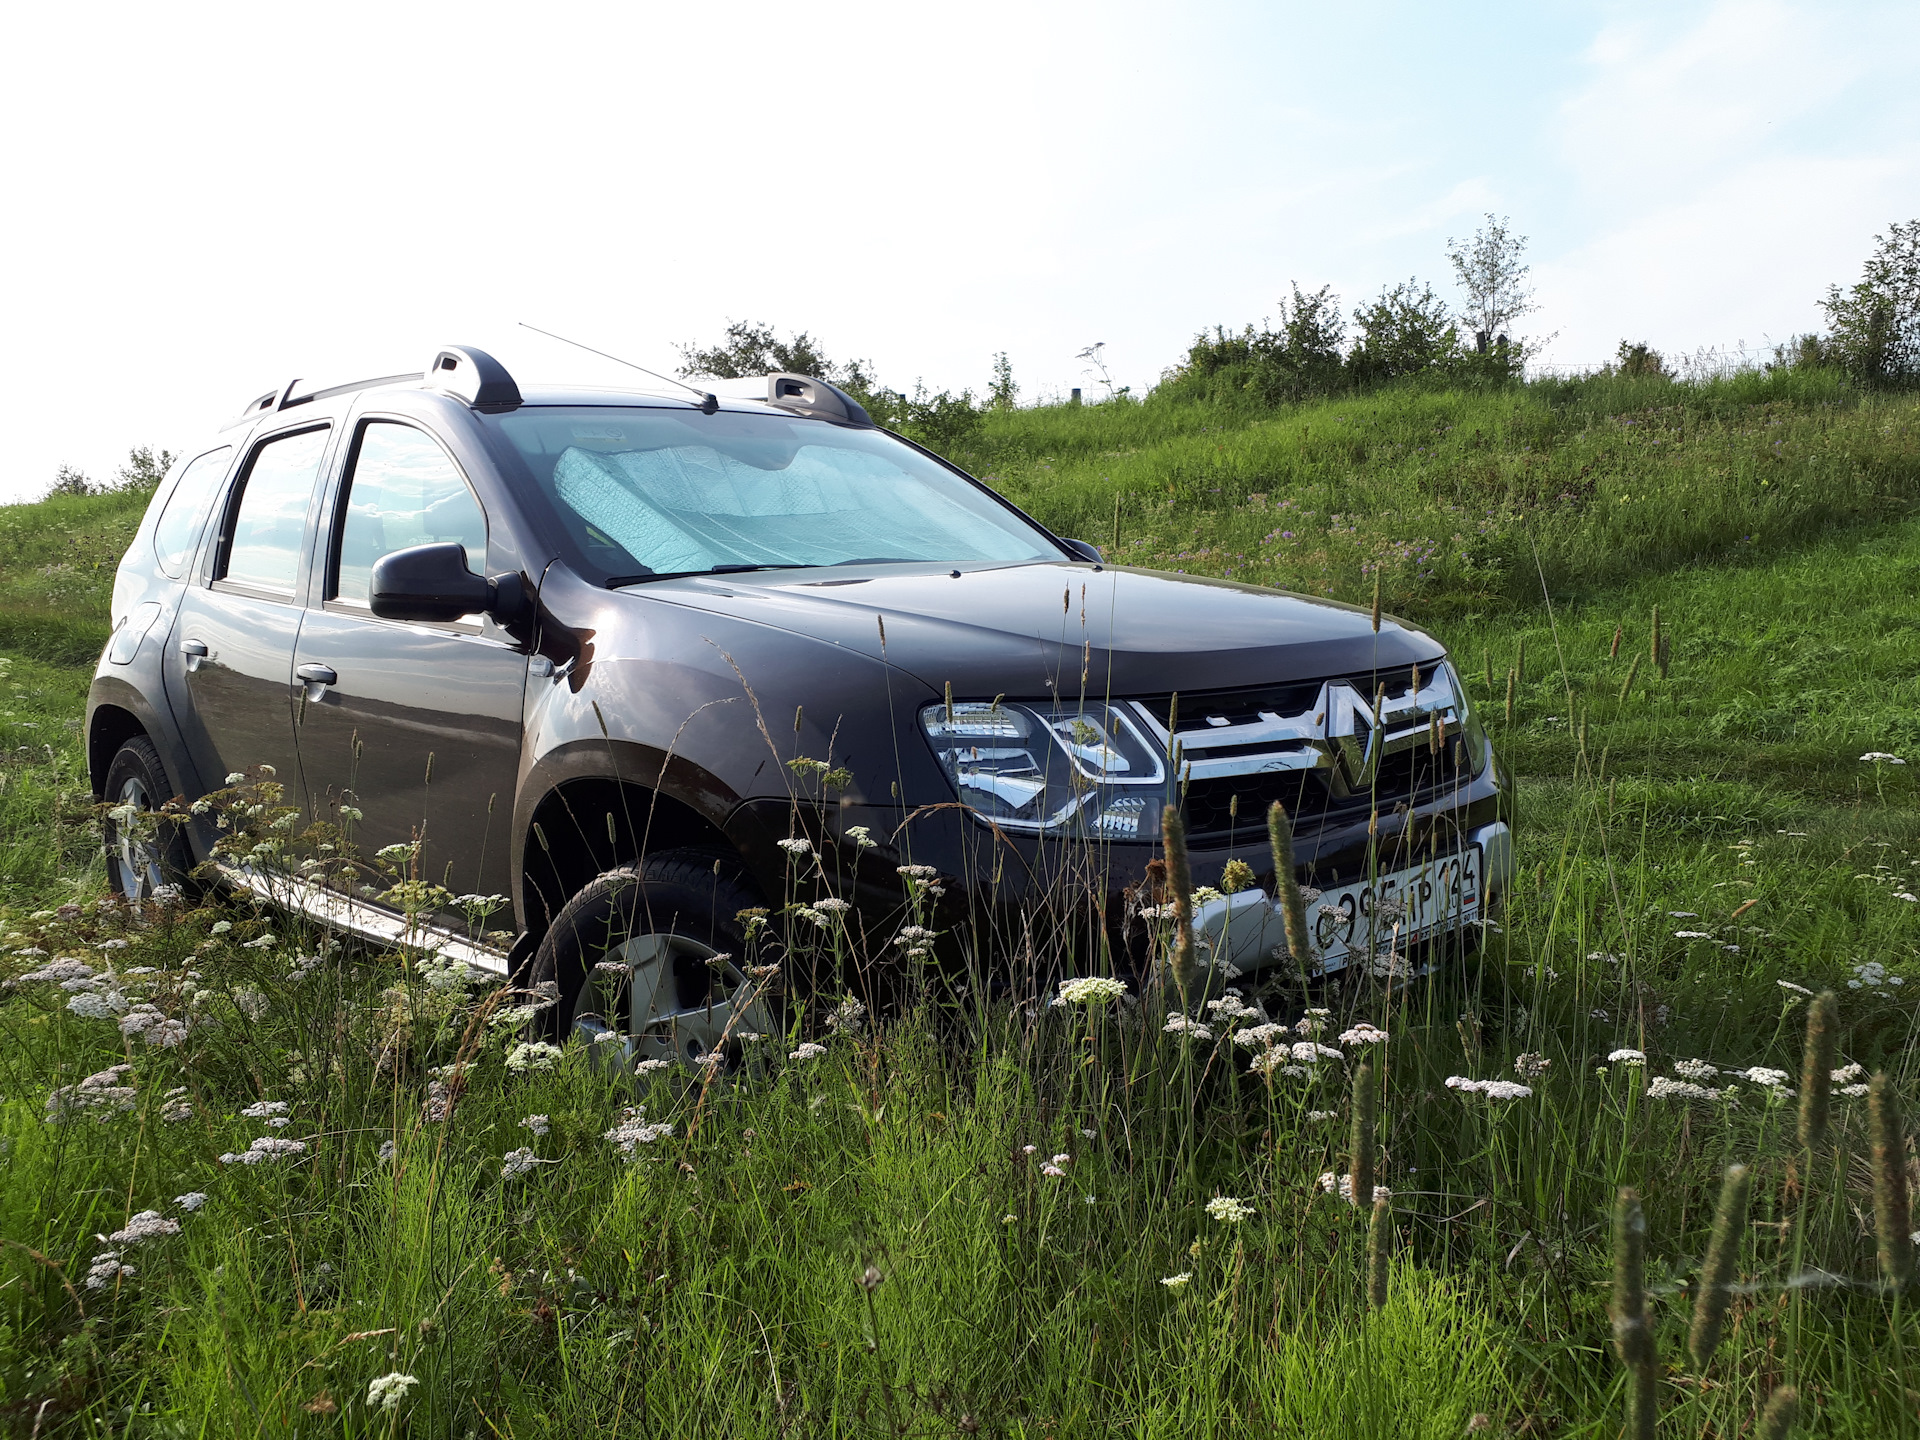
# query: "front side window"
{"points": [[643, 492], [270, 521], [178, 528], [404, 491]]}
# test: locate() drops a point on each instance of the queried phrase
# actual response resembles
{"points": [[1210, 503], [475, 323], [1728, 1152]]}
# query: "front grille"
{"points": [[1322, 748]]}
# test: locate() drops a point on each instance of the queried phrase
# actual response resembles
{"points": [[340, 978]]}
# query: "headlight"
{"points": [[1085, 769]]}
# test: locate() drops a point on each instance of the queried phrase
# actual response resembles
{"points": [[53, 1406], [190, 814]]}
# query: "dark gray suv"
{"points": [[620, 657]]}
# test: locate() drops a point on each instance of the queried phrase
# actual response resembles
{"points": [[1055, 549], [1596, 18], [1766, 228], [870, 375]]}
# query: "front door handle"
{"points": [[318, 674], [195, 651]]}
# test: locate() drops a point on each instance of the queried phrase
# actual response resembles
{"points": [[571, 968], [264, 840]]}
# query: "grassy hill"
{"points": [[869, 1240]]}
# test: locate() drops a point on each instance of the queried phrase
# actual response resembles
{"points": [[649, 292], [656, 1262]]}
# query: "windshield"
{"points": [[645, 492]]}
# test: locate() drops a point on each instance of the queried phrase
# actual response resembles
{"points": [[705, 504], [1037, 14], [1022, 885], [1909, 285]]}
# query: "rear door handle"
{"points": [[195, 651], [318, 674]]}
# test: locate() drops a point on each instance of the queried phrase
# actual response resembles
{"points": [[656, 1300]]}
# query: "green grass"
{"points": [[710, 1286]]}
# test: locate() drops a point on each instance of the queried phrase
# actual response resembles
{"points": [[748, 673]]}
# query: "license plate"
{"points": [[1379, 916]]}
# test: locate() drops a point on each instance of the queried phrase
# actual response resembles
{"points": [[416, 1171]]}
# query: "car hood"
{"points": [[1029, 631]]}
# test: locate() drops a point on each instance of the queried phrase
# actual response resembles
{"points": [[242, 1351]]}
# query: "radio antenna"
{"points": [[708, 401]]}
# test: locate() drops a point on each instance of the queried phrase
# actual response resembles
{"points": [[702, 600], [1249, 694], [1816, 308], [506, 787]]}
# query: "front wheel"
{"points": [[650, 963], [142, 855]]}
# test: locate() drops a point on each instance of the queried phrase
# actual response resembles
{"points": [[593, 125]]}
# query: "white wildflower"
{"points": [[1308, 1052], [649, 1067], [533, 1055], [103, 1005], [1664, 1087], [860, 835], [389, 1392], [1363, 1034], [1342, 1185], [517, 1163], [1052, 1172], [796, 847], [1854, 1092], [807, 1051], [147, 1225], [1627, 1057], [1881, 757], [848, 1017], [1264, 1036], [1492, 1089], [268, 1148], [1696, 1070], [1178, 1024], [1317, 1116], [1693, 935], [538, 1124], [1179, 1282], [1531, 1066], [633, 1131], [268, 1110], [1761, 1075], [250, 1002], [105, 1269], [386, 1151], [917, 872], [191, 1201], [1091, 990], [100, 1094], [832, 905], [1229, 1211], [1847, 1074]]}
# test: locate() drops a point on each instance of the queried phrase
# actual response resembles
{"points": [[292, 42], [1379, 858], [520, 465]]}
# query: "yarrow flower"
{"points": [[1881, 757], [1629, 1058], [1665, 1087], [272, 1111], [1342, 1185], [1178, 1282], [105, 1269], [191, 1201], [1228, 1210], [1789, 985], [517, 1163], [1178, 1024], [1052, 1172], [796, 846], [1264, 1036], [147, 1225], [1531, 1066], [1492, 1089], [1091, 990], [1363, 1034], [267, 1147], [538, 1124], [1775, 1080], [807, 1051], [389, 1392], [1318, 1115], [633, 1131], [1695, 1070], [533, 1055]]}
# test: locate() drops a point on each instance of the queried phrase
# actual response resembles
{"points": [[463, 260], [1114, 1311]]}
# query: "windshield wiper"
{"points": [[620, 581]]}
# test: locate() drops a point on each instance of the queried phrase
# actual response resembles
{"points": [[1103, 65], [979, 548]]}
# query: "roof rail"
{"points": [[816, 399], [474, 376]]}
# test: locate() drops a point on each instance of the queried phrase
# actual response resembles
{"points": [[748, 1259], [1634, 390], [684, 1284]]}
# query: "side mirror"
{"points": [[432, 583], [1083, 550]]}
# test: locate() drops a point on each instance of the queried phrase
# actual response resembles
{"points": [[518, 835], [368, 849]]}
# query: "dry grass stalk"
{"points": [[1626, 685], [1816, 1070], [1379, 1249], [1293, 905], [1632, 1335], [1361, 1150], [1173, 833], [1723, 1256], [1783, 1408], [1513, 677], [1376, 602], [1892, 1210], [1613, 651]]}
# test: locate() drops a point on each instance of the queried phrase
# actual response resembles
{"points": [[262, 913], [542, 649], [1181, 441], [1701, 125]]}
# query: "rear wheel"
{"points": [[650, 963], [144, 855]]}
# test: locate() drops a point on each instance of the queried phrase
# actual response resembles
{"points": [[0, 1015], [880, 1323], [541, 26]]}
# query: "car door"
{"points": [[229, 668], [416, 726]]}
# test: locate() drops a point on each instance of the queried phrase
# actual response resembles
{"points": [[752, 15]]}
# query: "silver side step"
{"points": [[356, 917]]}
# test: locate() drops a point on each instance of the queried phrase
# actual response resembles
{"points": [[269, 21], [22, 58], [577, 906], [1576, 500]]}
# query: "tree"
{"points": [[755, 349], [1404, 332], [1638, 358], [1097, 365], [69, 481], [1000, 395], [1490, 271], [1874, 326], [144, 469]]}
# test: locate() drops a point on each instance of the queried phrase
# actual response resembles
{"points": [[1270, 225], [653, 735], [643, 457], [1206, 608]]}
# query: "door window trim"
{"points": [[219, 552], [335, 531]]}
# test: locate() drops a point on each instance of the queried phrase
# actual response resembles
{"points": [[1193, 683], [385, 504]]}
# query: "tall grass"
{"points": [[866, 1240]]}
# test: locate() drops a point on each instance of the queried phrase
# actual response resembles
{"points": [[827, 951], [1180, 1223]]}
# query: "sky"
{"points": [[204, 201]]}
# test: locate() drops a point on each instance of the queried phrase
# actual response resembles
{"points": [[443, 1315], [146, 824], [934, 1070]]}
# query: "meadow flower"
{"points": [[1228, 1210], [1854, 1092], [271, 1111], [176, 1107], [1028, 1149], [1362, 1034], [1695, 1070], [267, 1147], [832, 905], [105, 1269], [1230, 1007], [1312, 1024], [1193, 1030], [259, 942], [1847, 1074], [1531, 1066], [220, 927], [1316, 1116], [1693, 935], [538, 1124], [1629, 1058], [386, 1151], [1091, 990], [1158, 912], [860, 835], [1770, 1079], [1062, 1159], [1881, 757], [517, 1163], [1052, 1172], [1342, 1185], [633, 1131], [191, 1201], [532, 1056], [1179, 1282], [1683, 914], [1308, 1052], [796, 846], [649, 1067], [1492, 1089], [250, 1002], [147, 1225], [1262, 1035], [1664, 1087], [390, 1391], [807, 1051], [100, 1094], [102, 1005], [848, 1017]]}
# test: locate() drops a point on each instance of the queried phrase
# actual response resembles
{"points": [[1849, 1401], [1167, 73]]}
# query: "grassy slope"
{"points": [[711, 1292]]}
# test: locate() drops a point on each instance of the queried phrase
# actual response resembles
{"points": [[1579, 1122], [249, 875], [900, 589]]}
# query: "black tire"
{"points": [[653, 958], [137, 867]]}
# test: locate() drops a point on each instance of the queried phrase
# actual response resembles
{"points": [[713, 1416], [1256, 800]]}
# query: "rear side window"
{"points": [[178, 529], [270, 520], [405, 491]]}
